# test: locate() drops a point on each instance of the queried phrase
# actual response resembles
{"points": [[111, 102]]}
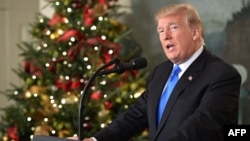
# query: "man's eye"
{"points": [[173, 27], [160, 31]]}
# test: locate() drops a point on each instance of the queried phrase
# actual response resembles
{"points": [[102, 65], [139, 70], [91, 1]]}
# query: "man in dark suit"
{"points": [[204, 99]]}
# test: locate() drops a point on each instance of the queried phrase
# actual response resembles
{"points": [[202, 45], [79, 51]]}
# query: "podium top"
{"points": [[49, 138]]}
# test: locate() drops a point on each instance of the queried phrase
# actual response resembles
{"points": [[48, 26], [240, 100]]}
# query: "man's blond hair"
{"points": [[192, 14]]}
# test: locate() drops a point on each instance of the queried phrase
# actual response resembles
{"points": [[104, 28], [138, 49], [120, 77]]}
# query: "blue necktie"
{"points": [[172, 80]]}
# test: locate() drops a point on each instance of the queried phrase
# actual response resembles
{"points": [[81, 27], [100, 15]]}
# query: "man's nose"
{"points": [[167, 36]]}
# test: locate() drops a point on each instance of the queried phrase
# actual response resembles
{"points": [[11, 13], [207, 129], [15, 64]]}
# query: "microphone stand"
{"points": [[83, 97]]}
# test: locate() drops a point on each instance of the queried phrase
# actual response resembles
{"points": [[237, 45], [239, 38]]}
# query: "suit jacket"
{"points": [[203, 101]]}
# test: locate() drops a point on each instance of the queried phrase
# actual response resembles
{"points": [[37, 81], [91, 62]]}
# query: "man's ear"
{"points": [[196, 33]]}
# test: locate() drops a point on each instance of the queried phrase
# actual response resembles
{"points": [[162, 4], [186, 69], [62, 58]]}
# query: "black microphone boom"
{"points": [[134, 64]]}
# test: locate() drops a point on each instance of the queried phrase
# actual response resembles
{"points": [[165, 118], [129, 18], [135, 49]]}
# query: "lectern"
{"points": [[48, 138]]}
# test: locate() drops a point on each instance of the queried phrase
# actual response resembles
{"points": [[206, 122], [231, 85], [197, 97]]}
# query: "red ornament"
{"points": [[76, 4], [63, 84], [76, 84], [27, 66], [103, 2], [96, 96], [35, 70], [52, 67], [13, 133], [108, 104], [87, 125]]}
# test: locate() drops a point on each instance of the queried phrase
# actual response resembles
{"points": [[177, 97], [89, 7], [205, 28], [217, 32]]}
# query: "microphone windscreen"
{"points": [[139, 63]]}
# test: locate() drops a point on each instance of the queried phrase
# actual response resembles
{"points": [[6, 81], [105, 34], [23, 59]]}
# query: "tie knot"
{"points": [[176, 70]]}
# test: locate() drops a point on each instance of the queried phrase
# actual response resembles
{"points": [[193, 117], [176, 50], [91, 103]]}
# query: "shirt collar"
{"points": [[184, 66]]}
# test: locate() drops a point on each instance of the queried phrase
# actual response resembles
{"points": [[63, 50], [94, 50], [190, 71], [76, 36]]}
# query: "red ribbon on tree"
{"points": [[70, 33], [56, 19], [88, 16]]}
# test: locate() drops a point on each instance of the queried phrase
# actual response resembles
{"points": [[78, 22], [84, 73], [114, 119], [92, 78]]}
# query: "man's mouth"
{"points": [[170, 46]]}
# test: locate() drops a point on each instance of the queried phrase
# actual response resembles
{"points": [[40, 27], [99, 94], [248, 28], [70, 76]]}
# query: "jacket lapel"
{"points": [[164, 74]]}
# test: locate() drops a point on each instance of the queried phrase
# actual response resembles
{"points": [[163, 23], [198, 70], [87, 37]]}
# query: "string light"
{"points": [[38, 47], [106, 19], [54, 105], [110, 51], [126, 106], [53, 59], [48, 32], [85, 59], [70, 43], [69, 10], [63, 101], [65, 20], [16, 92], [60, 31], [64, 53], [53, 131], [60, 106], [67, 77], [47, 65], [89, 67], [65, 62], [69, 65], [52, 36], [41, 20], [73, 39], [29, 118], [52, 101], [28, 94], [103, 37], [100, 18], [104, 82], [51, 97], [131, 96], [93, 27], [105, 96], [34, 77], [45, 45], [96, 48], [31, 137], [45, 119], [79, 22], [102, 125], [57, 3], [35, 94]]}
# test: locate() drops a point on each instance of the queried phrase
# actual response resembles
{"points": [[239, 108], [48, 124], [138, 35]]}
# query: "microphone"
{"points": [[134, 64]]}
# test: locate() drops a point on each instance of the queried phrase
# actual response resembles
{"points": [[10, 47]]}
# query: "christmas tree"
{"points": [[66, 49]]}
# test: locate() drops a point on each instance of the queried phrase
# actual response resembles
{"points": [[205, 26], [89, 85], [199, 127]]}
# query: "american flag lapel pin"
{"points": [[190, 78]]}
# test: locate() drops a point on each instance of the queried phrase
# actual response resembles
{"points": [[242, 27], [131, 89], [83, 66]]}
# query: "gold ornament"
{"points": [[37, 89], [103, 112], [43, 130], [49, 108], [70, 98], [99, 9], [63, 133]]}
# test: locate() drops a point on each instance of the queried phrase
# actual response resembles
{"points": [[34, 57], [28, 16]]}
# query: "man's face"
{"points": [[178, 39]]}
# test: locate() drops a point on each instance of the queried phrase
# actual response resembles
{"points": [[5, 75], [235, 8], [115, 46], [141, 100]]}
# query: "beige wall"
{"points": [[15, 16]]}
